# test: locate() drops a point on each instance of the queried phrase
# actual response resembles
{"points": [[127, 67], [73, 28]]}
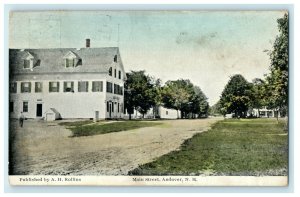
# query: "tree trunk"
{"points": [[129, 116]]}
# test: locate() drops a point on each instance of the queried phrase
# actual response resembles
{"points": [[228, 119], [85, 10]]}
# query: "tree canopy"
{"points": [[277, 80], [140, 93], [236, 96], [259, 93], [184, 96]]}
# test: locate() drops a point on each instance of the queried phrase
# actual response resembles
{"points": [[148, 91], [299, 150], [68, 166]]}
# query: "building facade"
{"points": [[75, 83]]}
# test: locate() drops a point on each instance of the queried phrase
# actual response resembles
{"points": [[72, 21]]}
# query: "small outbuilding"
{"points": [[52, 114]]}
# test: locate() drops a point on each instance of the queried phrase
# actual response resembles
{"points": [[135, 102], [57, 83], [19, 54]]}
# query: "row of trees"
{"points": [[272, 92], [143, 92]]}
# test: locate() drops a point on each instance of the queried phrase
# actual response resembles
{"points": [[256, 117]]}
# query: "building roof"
{"points": [[53, 60]]}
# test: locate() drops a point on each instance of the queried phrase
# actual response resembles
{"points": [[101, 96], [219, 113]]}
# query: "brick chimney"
{"points": [[87, 43]]}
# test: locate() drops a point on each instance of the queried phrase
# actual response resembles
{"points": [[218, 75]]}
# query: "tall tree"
{"points": [[139, 92], [277, 80], [236, 96], [177, 95], [184, 96], [259, 94], [200, 105]]}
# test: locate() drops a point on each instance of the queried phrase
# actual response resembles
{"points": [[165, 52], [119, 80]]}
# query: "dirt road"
{"points": [[44, 148]]}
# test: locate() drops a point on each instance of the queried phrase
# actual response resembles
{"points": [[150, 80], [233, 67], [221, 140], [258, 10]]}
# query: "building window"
{"points": [[115, 73], [25, 106], [116, 58], [13, 87], [118, 107], [167, 112], [68, 86], [112, 107], [120, 74], [110, 71], [28, 64], [38, 86], [11, 106], [118, 89], [83, 86], [97, 86], [109, 87], [107, 106], [79, 62], [53, 86], [70, 62], [25, 87]]}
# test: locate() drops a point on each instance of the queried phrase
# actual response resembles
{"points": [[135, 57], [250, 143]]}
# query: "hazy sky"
{"points": [[205, 47]]}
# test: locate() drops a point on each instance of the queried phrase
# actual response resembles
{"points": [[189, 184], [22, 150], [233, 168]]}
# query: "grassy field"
{"points": [[75, 123], [249, 147], [86, 128]]}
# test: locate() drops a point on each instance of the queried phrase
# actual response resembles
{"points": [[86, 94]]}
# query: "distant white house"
{"points": [[263, 113], [259, 113], [166, 113], [74, 82], [160, 112]]}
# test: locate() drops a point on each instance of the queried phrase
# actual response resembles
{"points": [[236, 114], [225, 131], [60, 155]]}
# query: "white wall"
{"points": [[168, 113], [68, 104]]}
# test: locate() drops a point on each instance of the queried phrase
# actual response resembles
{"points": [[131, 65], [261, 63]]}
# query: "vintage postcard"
{"points": [[148, 98]]}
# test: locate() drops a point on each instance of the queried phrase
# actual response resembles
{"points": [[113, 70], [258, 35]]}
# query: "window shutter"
{"points": [[57, 86], [29, 87], [79, 87], [87, 86]]}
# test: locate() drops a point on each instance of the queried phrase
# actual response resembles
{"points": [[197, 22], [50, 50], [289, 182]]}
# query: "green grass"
{"points": [[96, 129], [75, 123], [256, 147]]}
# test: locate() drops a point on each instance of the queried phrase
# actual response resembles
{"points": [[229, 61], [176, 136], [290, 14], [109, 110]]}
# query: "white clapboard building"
{"points": [[66, 83]]}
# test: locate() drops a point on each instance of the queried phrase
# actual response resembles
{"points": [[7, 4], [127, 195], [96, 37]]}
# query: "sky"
{"points": [[206, 47]]}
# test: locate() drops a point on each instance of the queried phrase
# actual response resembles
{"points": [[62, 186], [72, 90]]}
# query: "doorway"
{"points": [[110, 110], [39, 110]]}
